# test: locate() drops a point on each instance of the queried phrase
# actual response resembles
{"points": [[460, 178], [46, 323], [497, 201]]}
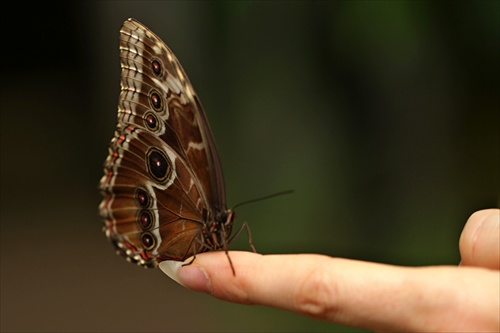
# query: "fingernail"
{"points": [[171, 268], [190, 276]]}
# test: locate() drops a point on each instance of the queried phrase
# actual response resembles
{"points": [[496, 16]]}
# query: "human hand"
{"points": [[362, 294]]}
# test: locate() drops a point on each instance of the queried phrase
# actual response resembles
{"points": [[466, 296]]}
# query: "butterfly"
{"points": [[163, 187]]}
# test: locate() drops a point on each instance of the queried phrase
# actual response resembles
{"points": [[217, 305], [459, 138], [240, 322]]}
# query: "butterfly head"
{"points": [[217, 229]]}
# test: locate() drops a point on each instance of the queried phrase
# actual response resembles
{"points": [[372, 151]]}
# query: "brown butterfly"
{"points": [[163, 187]]}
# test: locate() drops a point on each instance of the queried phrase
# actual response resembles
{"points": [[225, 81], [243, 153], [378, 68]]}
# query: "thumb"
{"points": [[480, 240]]}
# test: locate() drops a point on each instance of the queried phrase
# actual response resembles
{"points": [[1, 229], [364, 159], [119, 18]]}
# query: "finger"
{"points": [[480, 240], [354, 293]]}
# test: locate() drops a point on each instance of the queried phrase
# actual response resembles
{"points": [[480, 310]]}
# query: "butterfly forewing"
{"points": [[163, 186]]}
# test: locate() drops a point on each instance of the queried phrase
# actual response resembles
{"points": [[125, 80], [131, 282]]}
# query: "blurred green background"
{"points": [[382, 116]]}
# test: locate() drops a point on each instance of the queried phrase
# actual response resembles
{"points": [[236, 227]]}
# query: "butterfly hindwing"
{"points": [[163, 186]]}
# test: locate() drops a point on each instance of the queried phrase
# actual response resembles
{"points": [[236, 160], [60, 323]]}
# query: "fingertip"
{"points": [[187, 274], [212, 273]]}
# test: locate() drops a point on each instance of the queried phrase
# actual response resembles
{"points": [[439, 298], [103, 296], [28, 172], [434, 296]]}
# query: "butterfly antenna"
{"points": [[264, 198]]}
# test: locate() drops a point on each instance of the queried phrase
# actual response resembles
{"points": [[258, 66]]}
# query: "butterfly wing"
{"points": [[163, 173]]}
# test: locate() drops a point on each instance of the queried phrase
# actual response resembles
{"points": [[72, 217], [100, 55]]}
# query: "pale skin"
{"points": [[362, 294]]}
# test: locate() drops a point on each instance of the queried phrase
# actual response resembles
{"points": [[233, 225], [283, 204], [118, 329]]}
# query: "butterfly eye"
{"points": [[158, 164], [155, 100], [145, 219], [156, 67], [227, 217], [151, 121], [148, 241]]}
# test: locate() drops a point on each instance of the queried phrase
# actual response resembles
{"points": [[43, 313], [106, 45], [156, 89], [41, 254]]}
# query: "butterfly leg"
{"points": [[206, 245], [245, 226], [193, 242], [190, 261], [230, 262]]}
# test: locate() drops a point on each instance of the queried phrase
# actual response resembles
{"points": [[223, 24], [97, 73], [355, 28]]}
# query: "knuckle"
{"points": [[237, 292], [316, 294]]}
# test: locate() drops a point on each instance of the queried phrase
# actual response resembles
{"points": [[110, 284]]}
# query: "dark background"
{"points": [[382, 116]]}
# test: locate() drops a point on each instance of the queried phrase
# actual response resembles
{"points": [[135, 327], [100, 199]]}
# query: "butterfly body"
{"points": [[163, 186]]}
